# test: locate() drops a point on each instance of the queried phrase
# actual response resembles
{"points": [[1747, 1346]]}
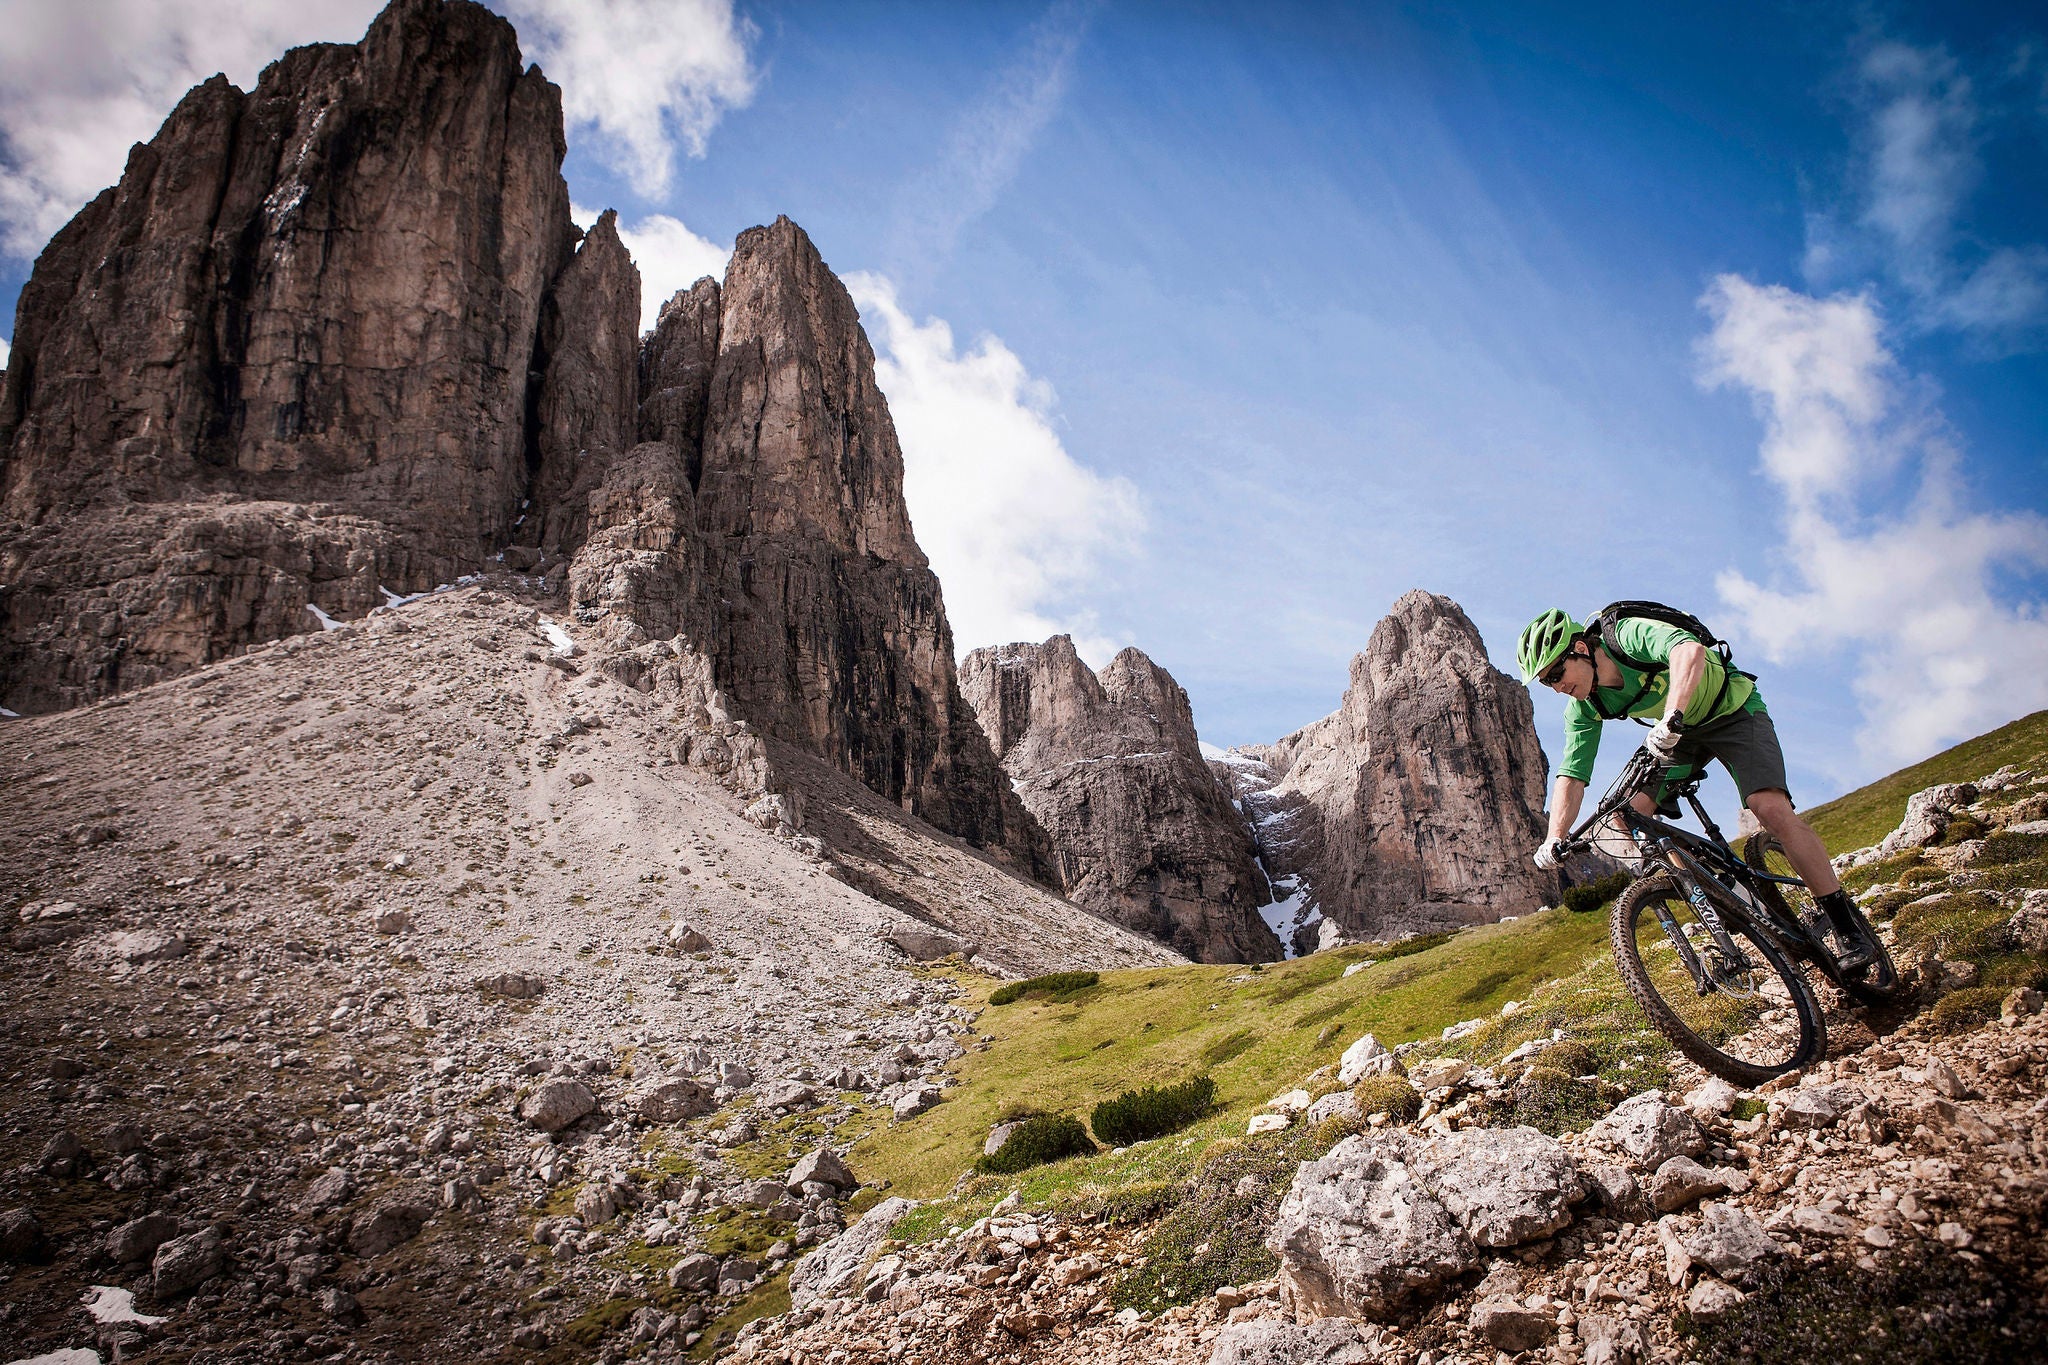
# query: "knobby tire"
{"points": [[1766, 1047]]}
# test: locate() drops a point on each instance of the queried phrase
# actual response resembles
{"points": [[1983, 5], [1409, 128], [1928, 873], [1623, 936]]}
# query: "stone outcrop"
{"points": [[761, 523], [1415, 806], [336, 338], [1110, 767], [285, 360]]}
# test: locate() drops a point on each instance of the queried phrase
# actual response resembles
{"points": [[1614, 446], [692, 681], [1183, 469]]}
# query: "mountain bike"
{"points": [[1709, 943]]}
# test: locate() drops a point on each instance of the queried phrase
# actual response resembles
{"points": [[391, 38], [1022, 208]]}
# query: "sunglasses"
{"points": [[1550, 676]]}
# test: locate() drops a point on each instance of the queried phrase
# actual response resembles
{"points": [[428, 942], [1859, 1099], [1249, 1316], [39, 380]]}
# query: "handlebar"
{"points": [[1643, 769]]}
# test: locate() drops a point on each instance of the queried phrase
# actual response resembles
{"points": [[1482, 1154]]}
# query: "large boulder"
{"points": [[1649, 1132], [1505, 1186], [1359, 1234], [837, 1264], [1928, 815], [674, 1100], [1269, 1341], [185, 1263]]}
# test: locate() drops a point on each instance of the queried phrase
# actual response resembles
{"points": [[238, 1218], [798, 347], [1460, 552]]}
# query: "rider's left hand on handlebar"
{"points": [[1549, 854], [1663, 740]]}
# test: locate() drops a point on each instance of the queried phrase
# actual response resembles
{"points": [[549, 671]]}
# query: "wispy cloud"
{"points": [[1923, 124], [1013, 524], [1929, 595], [646, 77], [989, 142], [81, 83], [668, 254]]}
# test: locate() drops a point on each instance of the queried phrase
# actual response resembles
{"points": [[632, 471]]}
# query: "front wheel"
{"points": [[1757, 1018], [1877, 984]]}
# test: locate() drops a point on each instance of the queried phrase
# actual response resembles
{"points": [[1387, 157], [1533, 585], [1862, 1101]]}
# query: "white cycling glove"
{"points": [[1663, 740], [1546, 856]]}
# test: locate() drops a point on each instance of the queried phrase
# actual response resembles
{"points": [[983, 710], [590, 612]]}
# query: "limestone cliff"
{"points": [[762, 520], [1110, 766], [1416, 805], [287, 359]]}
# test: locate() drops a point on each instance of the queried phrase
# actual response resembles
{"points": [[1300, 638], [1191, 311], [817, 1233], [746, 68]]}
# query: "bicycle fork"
{"points": [[1692, 882]]}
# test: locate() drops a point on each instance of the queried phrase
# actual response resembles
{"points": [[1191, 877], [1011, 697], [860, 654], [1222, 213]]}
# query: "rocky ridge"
{"points": [[335, 341], [1109, 765]]}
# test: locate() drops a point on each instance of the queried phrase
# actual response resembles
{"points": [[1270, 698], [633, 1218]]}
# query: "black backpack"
{"points": [[1610, 616]]}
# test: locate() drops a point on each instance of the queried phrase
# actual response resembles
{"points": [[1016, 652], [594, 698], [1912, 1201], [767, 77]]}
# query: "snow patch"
{"points": [[110, 1305], [326, 622], [558, 637], [1227, 756], [11, 715], [75, 1355]]}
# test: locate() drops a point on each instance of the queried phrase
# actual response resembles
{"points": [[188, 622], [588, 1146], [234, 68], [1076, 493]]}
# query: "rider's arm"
{"points": [[1565, 795], [1688, 669]]}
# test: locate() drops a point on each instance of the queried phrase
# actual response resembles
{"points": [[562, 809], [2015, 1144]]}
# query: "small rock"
{"points": [[1728, 1241], [331, 1189], [1292, 1102], [339, 1304], [1083, 1267], [1815, 1106], [1611, 1341], [1681, 1182], [1943, 1079], [915, 1101], [149, 945], [1512, 1327], [63, 1156], [22, 1237], [1366, 1057], [1330, 1106], [688, 939], [512, 985], [390, 920], [674, 1100], [1821, 1223], [1270, 1341], [786, 1094], [1649, 1131], [921, 943], [822, 1165], [1715, 1096], [1711, 1298], [387, 1226], [1268, 1123], [997, 1136], [1438, 1073], [138, 1238], [695, 1271], [557, 1104], [184, 1263], [580, 779]]}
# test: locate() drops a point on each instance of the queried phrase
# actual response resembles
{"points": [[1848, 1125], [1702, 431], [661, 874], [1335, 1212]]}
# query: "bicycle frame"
{"points": [[1706, 869]]}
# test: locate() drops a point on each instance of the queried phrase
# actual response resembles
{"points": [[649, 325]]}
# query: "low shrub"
{"points": [[2005, 847], [1596, 893], [1335, 1129], [1570, 1056], [1556, 1102], [1962, 829], [1407, 947], [1058, 985], [1034, 1142], [1389, 1095], [1137, 1115], [1960, 1011], [1217, 1233], [1963, 926]]}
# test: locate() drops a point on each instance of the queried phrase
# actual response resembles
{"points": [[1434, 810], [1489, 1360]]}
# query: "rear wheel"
{"points": [[1758, 1017], [1876, 984]]}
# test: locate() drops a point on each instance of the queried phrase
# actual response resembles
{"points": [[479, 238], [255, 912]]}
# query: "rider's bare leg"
{"points": [[1809, 857]]}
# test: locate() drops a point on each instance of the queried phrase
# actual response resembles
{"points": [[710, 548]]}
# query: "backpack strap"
{"points": [[1611, 618]]}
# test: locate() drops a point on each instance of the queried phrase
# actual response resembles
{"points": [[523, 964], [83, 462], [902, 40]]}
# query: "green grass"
{"points": [[1256, 1034], [1866, 815]]}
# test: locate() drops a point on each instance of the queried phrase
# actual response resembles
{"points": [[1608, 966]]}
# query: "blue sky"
{"points": [[1213, 331]]}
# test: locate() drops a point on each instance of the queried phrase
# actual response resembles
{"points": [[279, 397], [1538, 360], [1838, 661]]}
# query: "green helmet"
{"points": [[1544, 641]]}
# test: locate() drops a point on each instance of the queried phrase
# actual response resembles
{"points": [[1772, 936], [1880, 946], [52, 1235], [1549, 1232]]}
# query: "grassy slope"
{"points": [[1867, 814], [1257, 1034]]}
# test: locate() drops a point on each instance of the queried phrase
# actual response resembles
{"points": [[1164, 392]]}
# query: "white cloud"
{"points": [[646, 76], [1920, 166], [1942, 653], [81, 83], [1011, 521], [989, 143], [5, 351], [668, 254]]}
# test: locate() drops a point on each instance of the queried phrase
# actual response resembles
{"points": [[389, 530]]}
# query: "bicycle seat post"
{"points": [[1706, 821]]}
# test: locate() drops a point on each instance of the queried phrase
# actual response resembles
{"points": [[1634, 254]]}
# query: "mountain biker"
{"points": [[1705, 710]]}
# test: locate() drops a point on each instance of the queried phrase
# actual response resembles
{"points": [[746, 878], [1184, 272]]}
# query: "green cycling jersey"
{"points": [[1652, 641]]}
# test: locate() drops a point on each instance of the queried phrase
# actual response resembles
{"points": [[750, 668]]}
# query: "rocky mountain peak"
{"points": [[1415, 805], [1110, 766]]}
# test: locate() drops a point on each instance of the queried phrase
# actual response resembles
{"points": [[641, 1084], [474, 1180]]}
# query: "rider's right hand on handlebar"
{"points": [[1549, 855]]}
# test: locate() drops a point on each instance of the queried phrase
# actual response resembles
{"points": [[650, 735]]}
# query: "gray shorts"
{"points": [[1747, 746]]}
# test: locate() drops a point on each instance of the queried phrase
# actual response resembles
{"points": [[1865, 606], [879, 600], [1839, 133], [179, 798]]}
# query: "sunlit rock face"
{"points": [[1110, 766]]}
